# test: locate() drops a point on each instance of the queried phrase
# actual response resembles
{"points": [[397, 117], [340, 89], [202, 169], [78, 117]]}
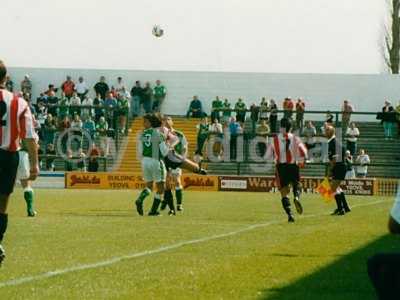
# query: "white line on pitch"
{"points": [[115, 260]]}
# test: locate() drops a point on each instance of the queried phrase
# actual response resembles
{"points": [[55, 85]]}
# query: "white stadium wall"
{"points": [[321, 91]]}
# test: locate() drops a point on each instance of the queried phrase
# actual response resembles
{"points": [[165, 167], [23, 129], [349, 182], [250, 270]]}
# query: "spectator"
{"points": [[50, 128], [240, 108], [329, 118], [9, 84], [159, 95], [75, 102], [110, 105], [64, 106], [262, 130], [363, 161], [68, 161], [26, 85], [77, 125], [52, 102], [64, 125], [98, 107], [234, 131], [215, 130], [93, 165], [101, 88], [352, 134], [68, 87], [87, 112], [123, 111], [309, 133], [120, 87], [50, 157], [42, 99], [195, 108], [226, 106], [202, 135], [264, 109], [147, 98], [389, 120], [81, 88], [273, 118], [300, 108], [288, 107], [41, 113], [51, 90], [254, 116], [347, 109], [102, 131], [113, 92], [137, 95], [349, 166], [216, 107], [89, 126], [82, 160], [27, 98]]}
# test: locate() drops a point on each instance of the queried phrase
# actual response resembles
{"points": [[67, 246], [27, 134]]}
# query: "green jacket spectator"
{"points": [[240, 108], [216, 106], [159, 95]]}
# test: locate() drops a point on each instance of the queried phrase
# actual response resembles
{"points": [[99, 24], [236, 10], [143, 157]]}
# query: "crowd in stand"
{"points": [[229, 120], [70, 106]]}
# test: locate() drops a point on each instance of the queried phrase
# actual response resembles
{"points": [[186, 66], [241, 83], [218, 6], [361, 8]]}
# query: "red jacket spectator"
{"points": [[68, 87], [288, 107]]}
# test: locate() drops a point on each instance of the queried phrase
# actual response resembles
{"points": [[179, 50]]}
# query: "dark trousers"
{"points": [[272, 123], [233, 147], [201, 139], [352, 147], [384, 272]]}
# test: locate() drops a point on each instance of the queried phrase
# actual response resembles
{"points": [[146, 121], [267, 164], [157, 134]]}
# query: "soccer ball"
{"points": [[157, 31]]}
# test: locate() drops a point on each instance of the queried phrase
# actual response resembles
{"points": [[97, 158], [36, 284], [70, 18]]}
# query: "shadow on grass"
{"points": [[346, 278]]}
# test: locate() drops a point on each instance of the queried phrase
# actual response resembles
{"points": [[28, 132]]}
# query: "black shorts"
{"points": [[8, 171], [173, 160], [287, 174], [339, 171]]}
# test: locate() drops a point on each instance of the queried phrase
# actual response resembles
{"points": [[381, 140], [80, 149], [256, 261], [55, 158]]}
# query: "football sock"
{"points": [[170, 199], [286, 205], [339, 202], [296, 190], [156, 204], [28, 196], [3, 225], [179, 196], [144, 194]]}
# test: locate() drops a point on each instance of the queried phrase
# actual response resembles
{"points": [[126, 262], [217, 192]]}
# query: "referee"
{"points": [[16, 124], [337, 171], [288, 151]]}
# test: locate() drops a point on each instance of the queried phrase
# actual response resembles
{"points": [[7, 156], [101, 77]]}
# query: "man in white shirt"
{"points": [[363, 161], [384, 268], [81, 88], [352, 134], [86, 112]]}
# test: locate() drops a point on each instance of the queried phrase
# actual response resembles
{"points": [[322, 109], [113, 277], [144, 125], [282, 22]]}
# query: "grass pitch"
{"points": [[92, 245]]}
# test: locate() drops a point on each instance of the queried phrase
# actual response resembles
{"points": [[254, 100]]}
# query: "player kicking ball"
{"points": [[288, 151], [174, 171], [152, 147]]}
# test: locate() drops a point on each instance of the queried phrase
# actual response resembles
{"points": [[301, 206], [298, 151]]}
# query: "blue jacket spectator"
{"points": [[195, 109], [89, 126]]}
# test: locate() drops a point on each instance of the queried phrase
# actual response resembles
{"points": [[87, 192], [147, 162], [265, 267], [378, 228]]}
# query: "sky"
{"points": [[268, 36]]}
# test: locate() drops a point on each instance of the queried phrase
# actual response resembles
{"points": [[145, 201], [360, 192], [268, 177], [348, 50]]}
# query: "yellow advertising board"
{"points": [[103, 180]]}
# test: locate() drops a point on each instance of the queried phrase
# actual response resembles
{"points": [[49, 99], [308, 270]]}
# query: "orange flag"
{"points": [[324, 188]]}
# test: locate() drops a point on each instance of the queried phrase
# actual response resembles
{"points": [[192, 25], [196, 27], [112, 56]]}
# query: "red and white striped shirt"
{"points": [[16, 121], [282, 154]]}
